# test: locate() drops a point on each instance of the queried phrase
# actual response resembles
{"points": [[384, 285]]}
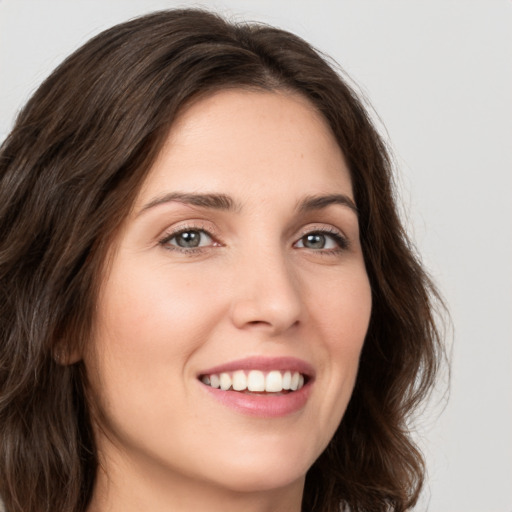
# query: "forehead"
{"points": [[240, 141]]}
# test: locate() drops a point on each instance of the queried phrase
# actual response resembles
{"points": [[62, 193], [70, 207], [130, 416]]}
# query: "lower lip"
{"points": [[264, 405]]}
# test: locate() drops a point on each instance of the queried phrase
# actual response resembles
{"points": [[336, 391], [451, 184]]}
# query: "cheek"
{"points": [[150, 322], [342, 308], [148, 327], [156, 312], [341, 314]]}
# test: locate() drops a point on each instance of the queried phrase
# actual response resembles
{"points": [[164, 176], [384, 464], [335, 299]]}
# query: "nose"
{"points": [[268, 295]]}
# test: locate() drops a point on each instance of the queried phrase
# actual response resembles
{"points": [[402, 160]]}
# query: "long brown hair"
{"points": [[69, 173]]}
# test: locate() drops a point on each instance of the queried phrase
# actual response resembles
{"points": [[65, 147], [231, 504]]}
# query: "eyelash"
{"points": [[341, 241], [164, 242]]}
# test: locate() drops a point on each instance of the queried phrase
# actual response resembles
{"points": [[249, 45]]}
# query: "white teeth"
{"points": [[287, 380], [274, 381], [239, 380], [256, 381], [214, 381], [225, 381], [295, 381]]}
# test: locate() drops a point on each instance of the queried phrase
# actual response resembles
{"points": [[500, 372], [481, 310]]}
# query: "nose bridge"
{"points": [[267, 290]]}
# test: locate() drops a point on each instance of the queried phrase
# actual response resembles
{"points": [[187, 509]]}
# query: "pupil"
{"points": [[188, 239], [315, 241]]}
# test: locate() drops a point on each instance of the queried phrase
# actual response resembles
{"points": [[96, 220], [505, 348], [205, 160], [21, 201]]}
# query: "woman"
{"points": [[208, 300]]}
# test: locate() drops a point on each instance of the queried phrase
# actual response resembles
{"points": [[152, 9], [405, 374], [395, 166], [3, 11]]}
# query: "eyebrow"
{"points": [[212, 201], [320, 202], [226, 203]]}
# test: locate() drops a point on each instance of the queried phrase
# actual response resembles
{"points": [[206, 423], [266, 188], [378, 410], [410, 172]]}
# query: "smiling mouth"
{"points": [[256, 381]]}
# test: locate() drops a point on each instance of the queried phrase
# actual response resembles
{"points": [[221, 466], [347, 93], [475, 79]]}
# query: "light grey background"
{"points": [[439, 74]]}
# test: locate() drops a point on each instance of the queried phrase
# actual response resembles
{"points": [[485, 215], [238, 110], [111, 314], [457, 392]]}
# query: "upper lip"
{"points": [[263, 364]]}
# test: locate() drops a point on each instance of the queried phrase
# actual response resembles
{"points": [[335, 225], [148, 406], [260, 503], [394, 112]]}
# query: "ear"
{"points": [[64, 357]]}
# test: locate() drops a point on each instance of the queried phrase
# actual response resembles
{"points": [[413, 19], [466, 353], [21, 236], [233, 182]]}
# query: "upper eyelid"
{"points": [[172, 234], [322, 228], [212, 232], [188, 226], [340, 238], [165, 239]]}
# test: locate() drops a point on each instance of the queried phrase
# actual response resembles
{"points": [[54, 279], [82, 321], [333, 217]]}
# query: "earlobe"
{"points": [[64, 357]]}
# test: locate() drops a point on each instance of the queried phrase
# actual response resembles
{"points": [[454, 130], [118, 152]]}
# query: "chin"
{"points": [[254, 480], [263, 470]]}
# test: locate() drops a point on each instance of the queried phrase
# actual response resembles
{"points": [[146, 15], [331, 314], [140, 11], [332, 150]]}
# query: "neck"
{"points": [[132, 487]]}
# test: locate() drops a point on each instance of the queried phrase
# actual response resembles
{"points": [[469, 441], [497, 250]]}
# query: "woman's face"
{"points": [[239, 266]]}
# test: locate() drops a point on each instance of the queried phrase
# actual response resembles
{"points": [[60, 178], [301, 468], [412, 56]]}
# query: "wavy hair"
{"points": [[69, 173]]}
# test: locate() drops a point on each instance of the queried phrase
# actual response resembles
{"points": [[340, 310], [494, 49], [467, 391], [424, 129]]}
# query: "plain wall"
{"points": [[439, 75]]}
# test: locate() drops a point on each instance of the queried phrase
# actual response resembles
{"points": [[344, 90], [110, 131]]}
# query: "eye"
{"points": [[322, 240], [188, 239]]}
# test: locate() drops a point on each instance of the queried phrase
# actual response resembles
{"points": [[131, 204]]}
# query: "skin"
{"points": [[254, 287]]}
